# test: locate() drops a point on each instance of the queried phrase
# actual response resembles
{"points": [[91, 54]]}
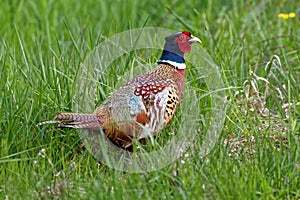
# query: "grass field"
{"points": [[257, 156]]}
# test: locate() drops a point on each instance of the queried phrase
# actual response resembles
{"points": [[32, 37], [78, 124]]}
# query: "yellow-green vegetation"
{"points": [[255, 44]]}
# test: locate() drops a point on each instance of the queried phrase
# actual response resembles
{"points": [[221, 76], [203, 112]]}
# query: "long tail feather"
{"points": [[74, 120]]}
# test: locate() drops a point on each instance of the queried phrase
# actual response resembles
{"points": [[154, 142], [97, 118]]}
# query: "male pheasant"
{"points": [[143, 105]]}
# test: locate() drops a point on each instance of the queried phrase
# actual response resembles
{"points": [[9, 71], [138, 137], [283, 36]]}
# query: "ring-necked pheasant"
{"points": [[143, 105]]}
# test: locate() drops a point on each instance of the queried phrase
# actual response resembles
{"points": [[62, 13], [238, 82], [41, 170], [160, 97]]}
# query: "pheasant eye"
{"points": [[181, 37]]}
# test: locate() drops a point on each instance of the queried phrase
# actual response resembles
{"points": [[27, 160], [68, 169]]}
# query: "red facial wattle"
{"points": [[187, 33], [183, 42]]}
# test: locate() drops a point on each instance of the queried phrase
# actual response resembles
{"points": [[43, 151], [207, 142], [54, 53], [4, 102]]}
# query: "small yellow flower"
{"points": [[283, 15], [292, 15]]}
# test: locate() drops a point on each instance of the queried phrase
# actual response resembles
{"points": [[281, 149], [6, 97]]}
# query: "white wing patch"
{"points": [[157, 111]]}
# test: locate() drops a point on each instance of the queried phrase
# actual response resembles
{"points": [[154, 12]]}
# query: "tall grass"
{"points": [[42, 46]]}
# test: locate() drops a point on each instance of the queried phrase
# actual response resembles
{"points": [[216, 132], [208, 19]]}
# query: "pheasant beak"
{"points": [[194, 39]]}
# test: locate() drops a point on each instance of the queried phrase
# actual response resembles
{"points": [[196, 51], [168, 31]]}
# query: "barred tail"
{"points": [[73, 120]]}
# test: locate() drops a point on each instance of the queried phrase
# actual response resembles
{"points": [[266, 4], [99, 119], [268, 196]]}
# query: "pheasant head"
{"points": [[175, 47]]}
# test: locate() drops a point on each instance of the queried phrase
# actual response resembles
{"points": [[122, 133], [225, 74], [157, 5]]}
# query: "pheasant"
{"points": [[143, 105]]}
